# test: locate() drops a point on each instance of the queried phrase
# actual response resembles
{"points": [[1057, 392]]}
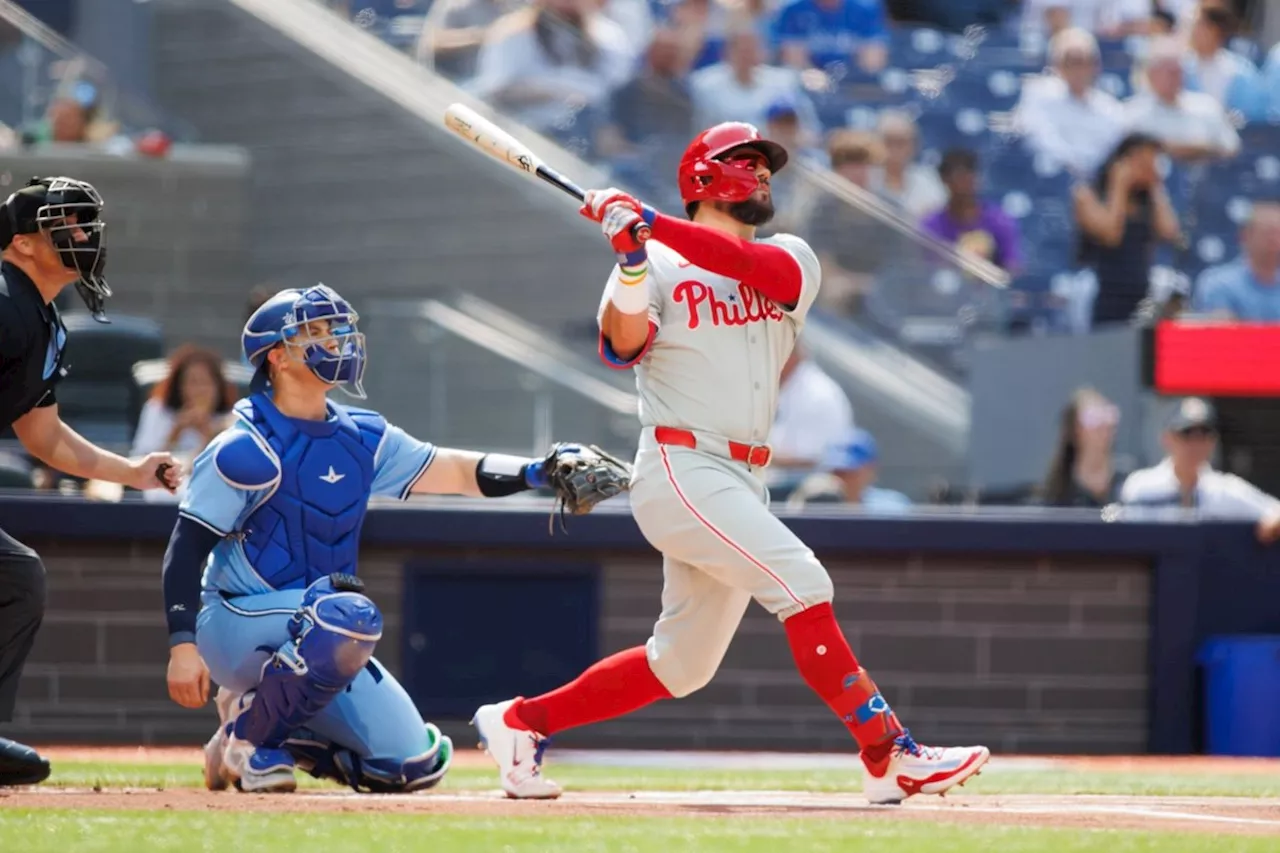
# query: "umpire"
{"points": [[52, 233]]}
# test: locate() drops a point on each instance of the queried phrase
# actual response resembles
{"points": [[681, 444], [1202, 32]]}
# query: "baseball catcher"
{"points": [[260, 577]]}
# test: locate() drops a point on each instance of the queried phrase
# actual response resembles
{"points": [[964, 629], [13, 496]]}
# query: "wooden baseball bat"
{"points": [[496, 142]]}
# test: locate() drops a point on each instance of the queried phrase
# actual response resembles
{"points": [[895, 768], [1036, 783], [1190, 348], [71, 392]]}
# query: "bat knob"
{"points": [[641, 232]]}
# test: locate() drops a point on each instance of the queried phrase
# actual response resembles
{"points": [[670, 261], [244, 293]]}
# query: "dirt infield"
{"points": [[1167, 814]]}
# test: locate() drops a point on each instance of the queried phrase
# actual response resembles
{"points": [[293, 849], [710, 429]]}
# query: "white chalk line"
{"points": [[1025, 804]]}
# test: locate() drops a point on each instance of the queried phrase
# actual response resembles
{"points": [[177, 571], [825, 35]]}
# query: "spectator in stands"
{"points": [[850, 244], [742, 88], [1186, 478], [1247, 288], [1109, 19], [186, 410], [967, 222], [912, 186], [1271, 85], [1083, 471], [650, 120], [1063, 115], [849, 471], [1191, 125], [1228, 77], [454, 32], [832, 35], [545, 64], [1121, 218], [1163, 22], [813, 412]]}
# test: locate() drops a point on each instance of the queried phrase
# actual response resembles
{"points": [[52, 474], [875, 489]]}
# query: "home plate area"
{"points": [[1172, 814]]}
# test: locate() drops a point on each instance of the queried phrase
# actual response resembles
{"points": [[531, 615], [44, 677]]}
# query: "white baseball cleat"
{"points": [[517, 753], [912, 769]]}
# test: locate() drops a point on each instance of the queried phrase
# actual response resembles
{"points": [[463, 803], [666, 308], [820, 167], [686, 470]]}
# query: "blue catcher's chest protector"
{"points": [[309, 526]]}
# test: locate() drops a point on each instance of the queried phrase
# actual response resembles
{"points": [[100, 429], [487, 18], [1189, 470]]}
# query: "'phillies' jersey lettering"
{"points": [[748, 306]]}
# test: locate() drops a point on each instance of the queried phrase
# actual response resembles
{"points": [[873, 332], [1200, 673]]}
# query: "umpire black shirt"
{"points": [[32, 346]]}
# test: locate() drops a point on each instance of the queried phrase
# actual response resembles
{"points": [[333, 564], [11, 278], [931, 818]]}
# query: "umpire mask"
{"points": [[70, 212]]}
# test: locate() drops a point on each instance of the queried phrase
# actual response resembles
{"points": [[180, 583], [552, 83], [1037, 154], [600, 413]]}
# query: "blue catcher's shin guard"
{"points": [[335, 631]]}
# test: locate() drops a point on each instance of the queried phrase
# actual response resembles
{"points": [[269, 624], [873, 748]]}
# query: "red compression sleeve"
{"points": [[769, 269]]}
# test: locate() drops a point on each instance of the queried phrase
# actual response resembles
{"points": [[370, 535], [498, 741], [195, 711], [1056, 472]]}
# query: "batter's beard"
{"points": [[753, 211]]}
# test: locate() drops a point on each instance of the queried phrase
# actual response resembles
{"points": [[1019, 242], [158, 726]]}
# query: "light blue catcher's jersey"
{"points": [[226, 507]]}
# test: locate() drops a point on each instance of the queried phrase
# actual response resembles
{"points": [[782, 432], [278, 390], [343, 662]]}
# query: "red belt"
{"points": [[755, 455]]}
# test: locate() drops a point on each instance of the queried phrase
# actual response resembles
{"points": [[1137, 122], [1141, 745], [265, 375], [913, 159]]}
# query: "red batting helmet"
{"points": [[703, 177]]}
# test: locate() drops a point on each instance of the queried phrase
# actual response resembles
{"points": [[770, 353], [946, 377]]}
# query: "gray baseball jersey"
{"points": [[712, 367]]}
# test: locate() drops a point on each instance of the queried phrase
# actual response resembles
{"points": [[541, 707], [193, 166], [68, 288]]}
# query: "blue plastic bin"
{"points": [[1242, 695]]}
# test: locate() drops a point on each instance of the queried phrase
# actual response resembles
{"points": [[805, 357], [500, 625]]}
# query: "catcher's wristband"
{"points": [[499, 475]]}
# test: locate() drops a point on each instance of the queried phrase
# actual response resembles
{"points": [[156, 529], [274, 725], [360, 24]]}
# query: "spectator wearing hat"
{"points": [[1190, 125], [1185, 478], [967, 222], [1247, 288], [848, 474], [1064, 116]]}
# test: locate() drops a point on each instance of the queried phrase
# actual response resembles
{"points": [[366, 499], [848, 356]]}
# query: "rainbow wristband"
{"points": [[630, 292]]}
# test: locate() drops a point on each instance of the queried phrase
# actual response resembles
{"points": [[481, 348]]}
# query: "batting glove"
{"points": [[619, 224], [596, 201]]}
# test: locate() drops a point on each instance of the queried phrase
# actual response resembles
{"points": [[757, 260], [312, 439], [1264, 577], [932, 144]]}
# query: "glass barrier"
{"points": [[463, 368], [51, 92]]}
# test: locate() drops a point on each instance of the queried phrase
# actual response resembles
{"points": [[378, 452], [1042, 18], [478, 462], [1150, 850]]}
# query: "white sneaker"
{"points": [[913, 769], [517, 753], [228, 705]]}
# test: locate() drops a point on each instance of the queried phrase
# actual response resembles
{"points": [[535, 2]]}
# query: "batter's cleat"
{"points": [[912, 769], [517, 752], [20, 764]]}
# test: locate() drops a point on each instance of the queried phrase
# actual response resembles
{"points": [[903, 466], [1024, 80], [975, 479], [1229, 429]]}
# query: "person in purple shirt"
{"points": [[969, 223], [826, 33]]}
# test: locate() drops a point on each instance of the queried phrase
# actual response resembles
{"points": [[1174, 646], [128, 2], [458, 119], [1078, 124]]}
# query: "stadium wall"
{"points": [[1033, 635]]}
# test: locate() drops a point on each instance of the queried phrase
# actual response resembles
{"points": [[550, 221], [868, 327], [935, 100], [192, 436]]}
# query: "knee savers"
{"points": [[334, 634], [374, 775]]}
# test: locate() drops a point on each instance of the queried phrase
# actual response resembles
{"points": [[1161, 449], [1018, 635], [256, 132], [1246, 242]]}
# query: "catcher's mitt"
{"points": [[583, 476]]}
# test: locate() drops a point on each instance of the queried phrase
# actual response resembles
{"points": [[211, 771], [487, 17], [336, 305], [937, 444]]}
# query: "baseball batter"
{"points": [[707, 314], [273, 517]]}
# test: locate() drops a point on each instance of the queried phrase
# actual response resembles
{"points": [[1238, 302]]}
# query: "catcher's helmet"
{"points": [[337, 358], [50, 205], [704, 177]]}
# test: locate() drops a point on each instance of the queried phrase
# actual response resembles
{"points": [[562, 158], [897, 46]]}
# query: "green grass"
{"points": [[58, 831], [585, 777]]}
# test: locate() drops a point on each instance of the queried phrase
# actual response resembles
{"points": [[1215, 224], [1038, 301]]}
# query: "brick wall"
{"points": [[1024, 654]]}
